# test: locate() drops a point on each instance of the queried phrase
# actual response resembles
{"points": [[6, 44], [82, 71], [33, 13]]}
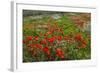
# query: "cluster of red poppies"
{"points": [[45, 46], [82, 42]]}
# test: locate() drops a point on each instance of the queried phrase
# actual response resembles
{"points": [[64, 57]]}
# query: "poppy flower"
{"points": [[46, 50], [84, 42], [59, 38], [29, 38], [81, 46], [38, 46], [51, 40], [44, 41], [59, 53], [36, 38], [78, 37]]}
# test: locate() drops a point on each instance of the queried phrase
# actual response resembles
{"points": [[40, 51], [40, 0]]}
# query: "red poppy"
{"points": [[81, 46], [46, 50], [59, 53], [84, 42], [36, 38], [44, 41], [38, 46], [78, 37], [59, 38], [51, 40], [29, 38]]}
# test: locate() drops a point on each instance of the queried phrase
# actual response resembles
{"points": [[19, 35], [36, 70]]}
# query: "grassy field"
{"points": [[56, 37]]}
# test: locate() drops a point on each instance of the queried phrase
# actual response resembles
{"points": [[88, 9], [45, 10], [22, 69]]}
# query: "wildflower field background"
{"points": [[56, 36]]}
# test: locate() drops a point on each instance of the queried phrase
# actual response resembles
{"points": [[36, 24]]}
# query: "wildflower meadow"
{"points": [[56, 36]]}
